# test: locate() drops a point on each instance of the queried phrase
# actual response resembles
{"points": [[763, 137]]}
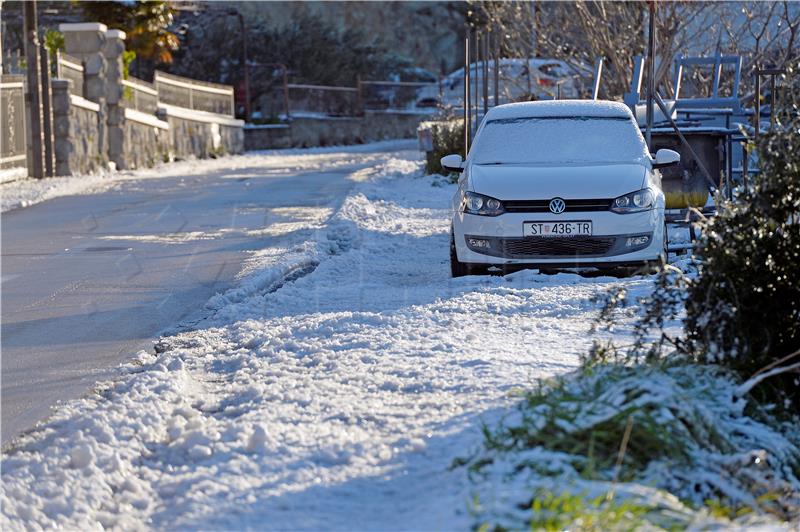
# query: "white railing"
{"points": [[68, 67], [193, 94], [139, 95], [13, 150]]}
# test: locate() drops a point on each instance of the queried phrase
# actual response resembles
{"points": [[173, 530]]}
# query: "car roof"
{"points": [[505, 62], [559, 108]]}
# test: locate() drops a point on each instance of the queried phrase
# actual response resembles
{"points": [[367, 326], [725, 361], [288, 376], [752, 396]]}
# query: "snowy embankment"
{"points": [[332, 389], [22, 192]]}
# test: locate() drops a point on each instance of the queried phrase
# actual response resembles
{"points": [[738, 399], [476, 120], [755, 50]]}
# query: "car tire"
{"points": [[665, 250], [457, 268]]}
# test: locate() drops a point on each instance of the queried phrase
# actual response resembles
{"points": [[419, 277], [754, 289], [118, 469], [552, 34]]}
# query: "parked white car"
{"points": [[565, 183], [544, 75]]}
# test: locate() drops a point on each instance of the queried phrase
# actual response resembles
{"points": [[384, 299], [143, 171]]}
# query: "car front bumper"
{"points": [[615, 239]]}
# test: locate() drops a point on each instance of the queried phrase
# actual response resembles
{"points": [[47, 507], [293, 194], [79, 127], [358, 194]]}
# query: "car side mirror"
{"points": [[452, 163], [665, 157]]}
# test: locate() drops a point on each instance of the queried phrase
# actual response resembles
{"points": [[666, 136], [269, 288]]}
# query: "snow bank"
{"points": [[332, 389], [26, 192]]}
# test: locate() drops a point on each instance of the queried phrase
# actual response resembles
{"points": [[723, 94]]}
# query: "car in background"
{"points": [[399, 90], [555, 184], [546, 75]]}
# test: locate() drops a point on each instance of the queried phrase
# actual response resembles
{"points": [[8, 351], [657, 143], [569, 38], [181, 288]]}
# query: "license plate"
{"points": [[557, 229]]}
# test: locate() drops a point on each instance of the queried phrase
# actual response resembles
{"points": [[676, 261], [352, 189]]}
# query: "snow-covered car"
{"points": [[518, 80], [564, 183]]}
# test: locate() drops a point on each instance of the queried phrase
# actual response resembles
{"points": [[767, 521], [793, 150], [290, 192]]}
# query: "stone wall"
{"points": [[76, 127], [126, 137], [311, 131], [146, 140], [267, 136], [198, 134], [326, 131]]}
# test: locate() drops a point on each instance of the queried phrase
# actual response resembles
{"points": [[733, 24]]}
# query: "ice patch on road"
{"points": [[334, 397]]}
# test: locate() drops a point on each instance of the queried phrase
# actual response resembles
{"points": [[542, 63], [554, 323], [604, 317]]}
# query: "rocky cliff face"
{"points": [[428, 33]]}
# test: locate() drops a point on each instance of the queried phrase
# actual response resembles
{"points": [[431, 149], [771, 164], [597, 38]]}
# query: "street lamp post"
{"points": [[33, 94], [244, 64]]}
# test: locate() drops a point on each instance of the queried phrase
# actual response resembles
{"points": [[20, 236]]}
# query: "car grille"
{"points": [[574, 246], [572, 205]]}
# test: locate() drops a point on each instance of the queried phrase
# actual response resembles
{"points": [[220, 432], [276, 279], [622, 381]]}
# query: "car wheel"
{"points": [[665, 250], [457, 268]]}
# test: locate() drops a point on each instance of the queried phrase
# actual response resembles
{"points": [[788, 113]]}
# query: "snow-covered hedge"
{"points": [[448, 137], [738, 297], [628, 445], [743, 308]]}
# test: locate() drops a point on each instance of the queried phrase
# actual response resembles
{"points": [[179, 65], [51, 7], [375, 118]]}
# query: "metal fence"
{"points": [[394, 95], [193, 94], [13, 143], [71, 68], [323, 100], [139, 95]]}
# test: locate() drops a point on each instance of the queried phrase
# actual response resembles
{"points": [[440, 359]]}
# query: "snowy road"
{"points": [[331, 388], [87, 280]]}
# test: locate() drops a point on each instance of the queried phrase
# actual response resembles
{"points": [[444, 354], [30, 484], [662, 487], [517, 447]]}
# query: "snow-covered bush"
{"points": [[739, 297], [743, 308], [671, 441], [448, 137]]}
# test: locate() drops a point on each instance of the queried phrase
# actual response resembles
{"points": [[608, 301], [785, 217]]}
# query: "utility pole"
{"points": [[245, 67], [651, 73], [467, 114], [33, 94], [47, 113], [2, 31], [497, 38]]}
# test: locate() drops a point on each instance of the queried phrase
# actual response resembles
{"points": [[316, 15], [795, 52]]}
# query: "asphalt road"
{"points": [[89, 280]]}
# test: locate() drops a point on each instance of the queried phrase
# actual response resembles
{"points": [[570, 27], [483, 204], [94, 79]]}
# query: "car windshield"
{"points": [[548, 140]]}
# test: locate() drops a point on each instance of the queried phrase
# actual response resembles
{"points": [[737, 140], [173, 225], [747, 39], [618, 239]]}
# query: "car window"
{"points": [[508, 71], [559, 140], [552, 69]]}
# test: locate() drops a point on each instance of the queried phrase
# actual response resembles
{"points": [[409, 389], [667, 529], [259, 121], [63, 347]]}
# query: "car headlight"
{"points": [[481, 205], [638, 201]]}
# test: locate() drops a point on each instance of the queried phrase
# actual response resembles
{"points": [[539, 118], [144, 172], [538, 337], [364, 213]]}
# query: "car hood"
{"points": [[527, 182]]}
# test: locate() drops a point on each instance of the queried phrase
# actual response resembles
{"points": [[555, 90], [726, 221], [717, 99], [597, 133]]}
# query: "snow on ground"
{"points": [[24, 192], [331, 389], [12, 174]]}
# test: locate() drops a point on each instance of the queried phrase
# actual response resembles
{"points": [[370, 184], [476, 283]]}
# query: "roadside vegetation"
{"points": [[447, 136], [695, 429]]}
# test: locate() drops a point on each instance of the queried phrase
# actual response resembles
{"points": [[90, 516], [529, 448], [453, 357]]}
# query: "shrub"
{"points": [[448, 137], [743, 308], [663, 439], [739, 299]]}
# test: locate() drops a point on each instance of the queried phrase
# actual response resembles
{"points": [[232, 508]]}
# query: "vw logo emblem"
{"points": [[557, 205]]}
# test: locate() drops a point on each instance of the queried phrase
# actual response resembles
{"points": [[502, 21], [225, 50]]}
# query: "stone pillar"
{"points": [[85, 41], [113, 48], [61, 132]]}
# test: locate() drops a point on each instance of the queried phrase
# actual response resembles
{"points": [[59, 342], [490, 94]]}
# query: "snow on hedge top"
{"points": [[554, 108]]}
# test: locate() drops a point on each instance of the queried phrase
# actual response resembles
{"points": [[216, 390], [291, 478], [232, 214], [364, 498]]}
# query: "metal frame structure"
{"points": [[479, 50], [718, 62]]}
